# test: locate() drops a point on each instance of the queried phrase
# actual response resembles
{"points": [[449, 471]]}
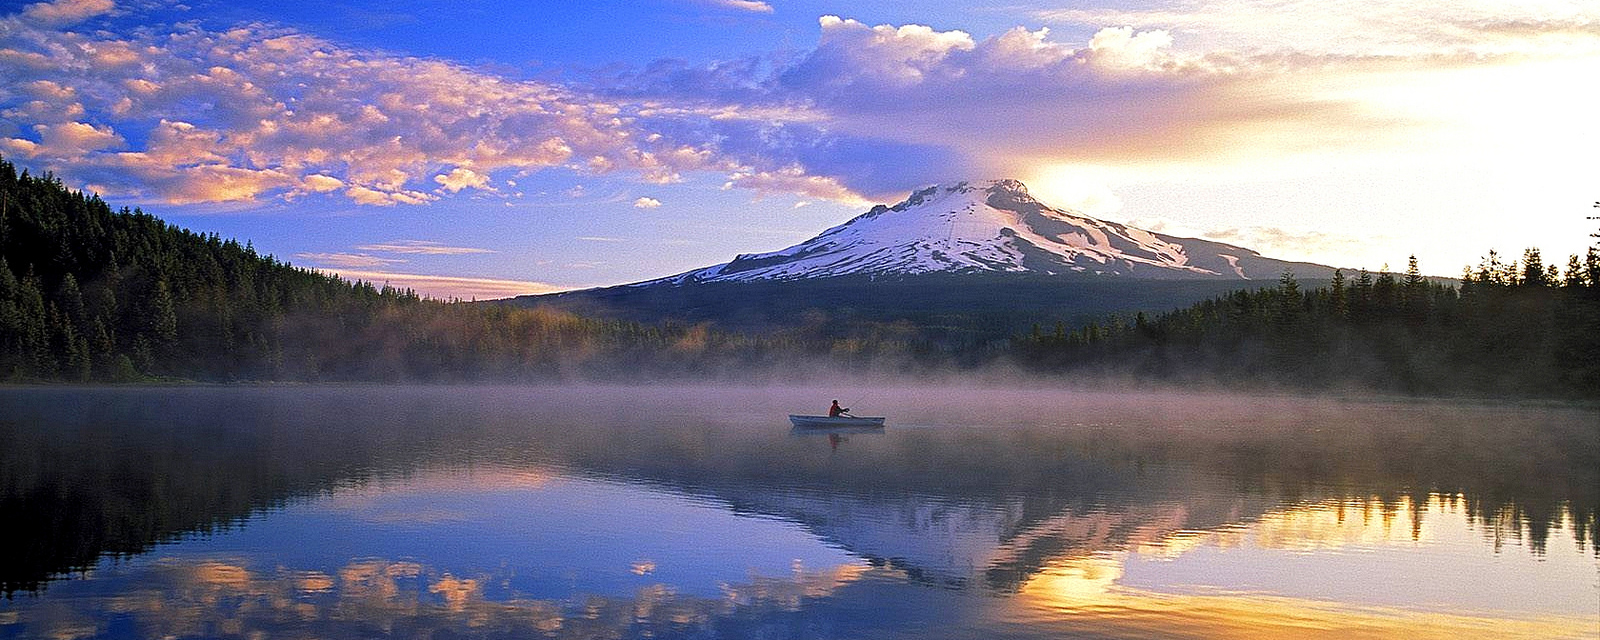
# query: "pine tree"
{"points": [[1574, 279], [34, 336], [70, 299], [11, 326], [1414, 292], [1288, 307], [163, 322], [1336, 296], [1533, 273], [1361, 297], [1591, 271]]}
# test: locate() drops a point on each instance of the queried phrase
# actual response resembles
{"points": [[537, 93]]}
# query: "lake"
{"points": [[663, 512]]}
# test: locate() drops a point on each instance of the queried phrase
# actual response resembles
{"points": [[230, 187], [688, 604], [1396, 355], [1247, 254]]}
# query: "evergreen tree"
{"points": [[1533, 273], [1288, 304], [163, 328], [1414, 293], [1337, 297]]}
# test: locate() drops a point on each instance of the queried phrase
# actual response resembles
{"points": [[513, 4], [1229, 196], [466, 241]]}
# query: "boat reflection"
{"points": [[835, 435]]}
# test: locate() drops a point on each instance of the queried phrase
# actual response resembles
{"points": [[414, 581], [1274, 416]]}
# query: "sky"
{"points": [[479, 149]]}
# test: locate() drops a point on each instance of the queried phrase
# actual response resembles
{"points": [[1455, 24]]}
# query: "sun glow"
{"points": [[1102, 582]]}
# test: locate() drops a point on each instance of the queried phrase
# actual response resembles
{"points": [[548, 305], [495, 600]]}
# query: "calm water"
{"points": [[695, 512]]}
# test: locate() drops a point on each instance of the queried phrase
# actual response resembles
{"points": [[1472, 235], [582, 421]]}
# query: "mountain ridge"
{"points": [[993, 226]]}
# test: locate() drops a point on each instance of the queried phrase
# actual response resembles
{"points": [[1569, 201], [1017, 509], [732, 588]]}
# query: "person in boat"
{"points": [[836, 410]]}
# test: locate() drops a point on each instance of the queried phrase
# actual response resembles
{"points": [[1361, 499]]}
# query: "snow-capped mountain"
{"points": [[993, 226]]}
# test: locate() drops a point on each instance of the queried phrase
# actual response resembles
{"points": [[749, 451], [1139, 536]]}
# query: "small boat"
{"points": [[808, 422]]}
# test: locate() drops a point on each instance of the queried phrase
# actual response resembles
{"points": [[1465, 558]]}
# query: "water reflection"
{"points": [[223, 597], [562, 512]]}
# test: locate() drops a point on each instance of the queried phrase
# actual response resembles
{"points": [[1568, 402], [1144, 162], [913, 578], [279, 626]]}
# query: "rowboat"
{"points": [[811, 422]]}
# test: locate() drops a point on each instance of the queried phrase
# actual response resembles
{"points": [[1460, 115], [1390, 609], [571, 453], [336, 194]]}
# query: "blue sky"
{"points": [[481, 149]]}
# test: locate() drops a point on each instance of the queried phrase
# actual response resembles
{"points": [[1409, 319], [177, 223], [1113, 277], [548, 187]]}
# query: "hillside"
{"points": [[941, 306], [92, 294]]}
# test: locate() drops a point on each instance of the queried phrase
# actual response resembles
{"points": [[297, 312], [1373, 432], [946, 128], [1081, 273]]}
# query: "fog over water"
{"points": [[696, 511]]}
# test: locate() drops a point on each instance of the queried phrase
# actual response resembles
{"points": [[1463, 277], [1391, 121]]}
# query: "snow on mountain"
{"points": [[993, 226]]}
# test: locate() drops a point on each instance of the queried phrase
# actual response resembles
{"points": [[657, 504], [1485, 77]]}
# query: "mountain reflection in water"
{"points": [[576, 512]]}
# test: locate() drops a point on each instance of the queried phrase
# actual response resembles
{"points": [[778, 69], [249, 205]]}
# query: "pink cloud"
{"points": [[347, 260], [63, 12], [286, 106], [447, 287], [422, 247]]}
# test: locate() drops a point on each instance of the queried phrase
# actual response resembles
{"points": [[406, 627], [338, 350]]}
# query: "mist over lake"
{"points": [[696, 511]]}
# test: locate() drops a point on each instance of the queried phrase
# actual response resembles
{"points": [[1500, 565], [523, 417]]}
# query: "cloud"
{"points": [[422, 247], [284, 106], [188, 114], [1360, 27], [74, 138], [449, 287], [875, 110], [792, 179], [1019, 99], [319, 183], [379, 197], [646, 202], [599, 239], [753, 6], [64, 12], [462, 178], [1280, 242], [347, 260]]}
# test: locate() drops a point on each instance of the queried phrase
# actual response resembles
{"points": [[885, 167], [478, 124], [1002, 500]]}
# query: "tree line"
{"points": [[1508, 328], [88, 294]]}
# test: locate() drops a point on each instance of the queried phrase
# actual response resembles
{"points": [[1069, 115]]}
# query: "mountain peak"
{"points": [[993, 225], [994, 185], [1007, 185]]}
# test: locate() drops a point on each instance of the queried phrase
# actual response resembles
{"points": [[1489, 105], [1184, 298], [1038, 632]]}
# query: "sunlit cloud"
{"points": [[753, 6], [646, 202], [1127, 96], [1291, 242], [1324, 247], [793, 179], [462, 178], [447, 287], [264, 109], [62, 12], [424, 247], [319, 183], [1363, 27], [347, 260]]}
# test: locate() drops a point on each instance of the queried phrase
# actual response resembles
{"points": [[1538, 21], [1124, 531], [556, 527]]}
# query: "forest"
{"points": [[1518, 328], [88, 294], [92, 294]]}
